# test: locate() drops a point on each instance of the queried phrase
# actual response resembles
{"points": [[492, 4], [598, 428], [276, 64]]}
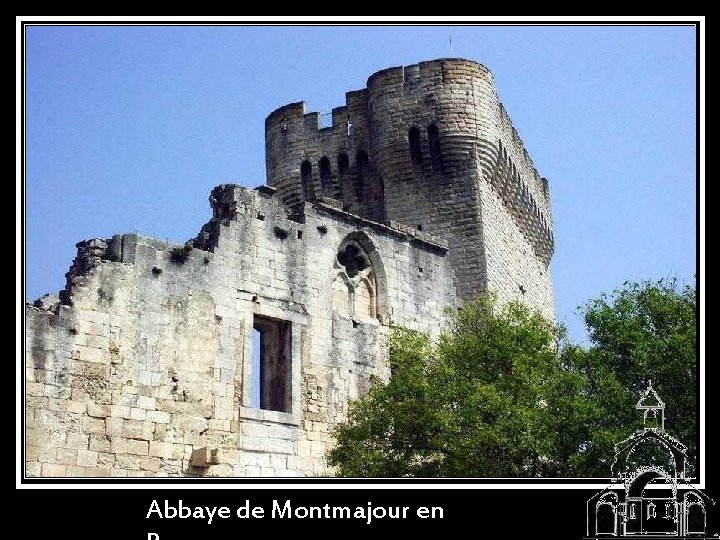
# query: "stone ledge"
{"points": [[250, 413]]}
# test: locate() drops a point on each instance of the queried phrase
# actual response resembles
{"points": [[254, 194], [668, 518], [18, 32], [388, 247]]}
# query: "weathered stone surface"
{"points": [[144, 367]]}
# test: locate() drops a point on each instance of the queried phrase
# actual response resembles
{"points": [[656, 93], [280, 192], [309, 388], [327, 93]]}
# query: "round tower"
{"points": [[426, 121]]}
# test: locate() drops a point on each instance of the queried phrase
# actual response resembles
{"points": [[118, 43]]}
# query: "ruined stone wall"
{"points": [[149, 371]]}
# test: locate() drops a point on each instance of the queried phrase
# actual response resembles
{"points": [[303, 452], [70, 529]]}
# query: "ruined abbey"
{"points": [[236, 353]]}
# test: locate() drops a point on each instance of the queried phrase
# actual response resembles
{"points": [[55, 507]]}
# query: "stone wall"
{"points": [[147, 369]]}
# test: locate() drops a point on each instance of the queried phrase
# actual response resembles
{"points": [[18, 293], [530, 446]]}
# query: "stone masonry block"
{"points": [[120, 411], [99, 443], [136, 413], [94, 426], [98, 411], [53, 470], [78, 441], [160, 417], [137, 447], [161, 449], [138, 429], [67, 456], [114, 426], [150, 464], [87, 458], [145, 402], [118, 445]]}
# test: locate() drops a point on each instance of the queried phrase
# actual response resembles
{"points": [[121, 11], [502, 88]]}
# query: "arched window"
{"points": [[415, 148], [359, 282], [363, 170], [306, 181], [326, 177], [434, 145], [354, 287]]}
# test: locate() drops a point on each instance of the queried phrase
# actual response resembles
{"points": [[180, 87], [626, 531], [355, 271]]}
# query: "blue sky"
{"points": [[129, 128]]}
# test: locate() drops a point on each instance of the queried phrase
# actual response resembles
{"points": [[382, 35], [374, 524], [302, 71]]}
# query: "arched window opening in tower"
{"points": [[363, 169], [415, 147], [326, 177], [434, 144], [343, 186], [306, 181], [343, 167]]}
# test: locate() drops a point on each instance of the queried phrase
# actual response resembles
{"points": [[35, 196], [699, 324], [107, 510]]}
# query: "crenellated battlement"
{"points": [[296, 114]]}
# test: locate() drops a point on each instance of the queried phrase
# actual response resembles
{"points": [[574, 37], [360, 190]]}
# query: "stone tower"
{"points": [[236, 353], [427, 147]]}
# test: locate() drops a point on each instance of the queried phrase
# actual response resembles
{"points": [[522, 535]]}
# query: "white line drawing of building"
{"points": [[656, 500]]}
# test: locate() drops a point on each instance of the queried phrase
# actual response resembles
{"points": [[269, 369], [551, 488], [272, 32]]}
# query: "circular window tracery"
{"points": [[353, 259], [354, 288]]}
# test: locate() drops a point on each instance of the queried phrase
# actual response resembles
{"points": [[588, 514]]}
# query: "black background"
{"points": [[491, 513]]}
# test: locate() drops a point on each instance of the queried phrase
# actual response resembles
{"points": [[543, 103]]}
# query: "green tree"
{"points": [[641, 332], [502, 394], [490, 398]]}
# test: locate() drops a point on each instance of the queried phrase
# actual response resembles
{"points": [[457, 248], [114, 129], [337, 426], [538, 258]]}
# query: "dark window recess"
{"points": [[363, 171], [434, 145], [343, 167], [343, 164], [272, 373], [306, 181], [415, 148], [352, 260], [326, 177]]}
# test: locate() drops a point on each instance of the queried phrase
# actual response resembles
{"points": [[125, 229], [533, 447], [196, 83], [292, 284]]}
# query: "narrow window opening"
{"points": [[299, 235], [343, 166], [306, 181], [255, 370], [434, 145], [326, 177], [415, 148], [271, 370], [362, 173]]}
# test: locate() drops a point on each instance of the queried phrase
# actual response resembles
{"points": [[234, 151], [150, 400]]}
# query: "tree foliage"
{"points": [[483, 401], [641, 332], [502, 394]]}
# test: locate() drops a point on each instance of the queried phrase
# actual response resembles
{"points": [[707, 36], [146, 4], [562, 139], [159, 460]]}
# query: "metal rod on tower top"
{"points": [[451, 43]]}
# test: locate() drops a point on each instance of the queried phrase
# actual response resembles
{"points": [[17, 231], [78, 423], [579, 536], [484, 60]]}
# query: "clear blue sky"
{"points": [[129, 128]]}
